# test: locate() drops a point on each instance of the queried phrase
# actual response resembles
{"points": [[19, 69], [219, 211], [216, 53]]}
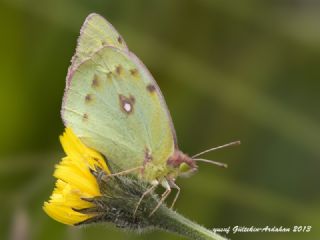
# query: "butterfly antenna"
{"points": [[219, 164], [216, 148]]}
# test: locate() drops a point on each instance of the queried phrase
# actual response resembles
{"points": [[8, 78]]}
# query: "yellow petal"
{"points": [[64, 214], [74, 181]]}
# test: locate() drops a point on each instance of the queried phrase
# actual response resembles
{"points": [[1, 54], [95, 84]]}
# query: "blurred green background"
{"points": [[229, 70]]}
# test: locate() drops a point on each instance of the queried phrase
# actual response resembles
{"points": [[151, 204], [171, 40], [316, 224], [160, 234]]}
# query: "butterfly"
{"points": [[114, 106]]}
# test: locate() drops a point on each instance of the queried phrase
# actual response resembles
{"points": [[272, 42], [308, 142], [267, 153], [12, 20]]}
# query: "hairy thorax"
{"points": [[178, 163]]}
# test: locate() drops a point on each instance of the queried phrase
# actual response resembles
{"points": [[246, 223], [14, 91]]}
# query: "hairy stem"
{"points": [[171, 221], [120, 197]]}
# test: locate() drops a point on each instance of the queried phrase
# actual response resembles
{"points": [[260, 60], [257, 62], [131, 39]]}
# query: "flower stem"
{"points": [[171, 221]]}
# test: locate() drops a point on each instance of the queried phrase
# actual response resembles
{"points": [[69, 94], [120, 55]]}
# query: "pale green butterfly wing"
{"points": [[115, 106], [95, 33]]}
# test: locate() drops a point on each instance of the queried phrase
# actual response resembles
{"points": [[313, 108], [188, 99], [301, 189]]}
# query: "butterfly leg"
{"points": [[174, 185], [154, 185], [166, 193], [125, 172]]}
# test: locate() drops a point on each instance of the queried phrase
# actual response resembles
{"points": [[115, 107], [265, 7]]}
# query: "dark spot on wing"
{"points": [[96, 82], [134, 72], [119, 69], [120, 40], [151, 88], [88, 98], [126, 103], [85, 117]]}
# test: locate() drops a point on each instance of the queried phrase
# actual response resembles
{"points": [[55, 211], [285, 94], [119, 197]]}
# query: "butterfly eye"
{"points": [[184, 168]]}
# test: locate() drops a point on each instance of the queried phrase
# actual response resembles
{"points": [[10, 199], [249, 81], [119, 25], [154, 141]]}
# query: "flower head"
{"points": [[86, 192], [75, 181]]}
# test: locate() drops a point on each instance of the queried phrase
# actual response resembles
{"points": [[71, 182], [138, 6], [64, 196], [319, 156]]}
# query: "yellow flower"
{"points": [[74, 181]]}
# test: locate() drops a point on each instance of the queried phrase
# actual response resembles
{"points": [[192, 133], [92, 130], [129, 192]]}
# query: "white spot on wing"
{"points": [[127, 107]]}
